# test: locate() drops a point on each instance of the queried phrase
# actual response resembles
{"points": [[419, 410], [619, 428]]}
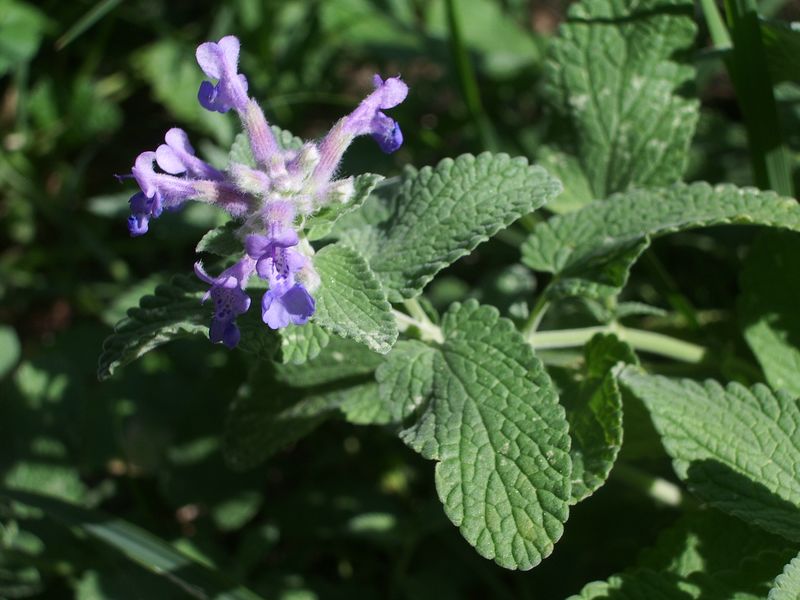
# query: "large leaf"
{"points": [[152, 553], [443, 213], [591, 251], [350, 300], [612, 73], [768, 307], [487, 412], [738, 448]]}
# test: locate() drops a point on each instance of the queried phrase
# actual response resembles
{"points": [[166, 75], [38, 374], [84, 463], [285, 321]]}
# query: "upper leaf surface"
{"points": [[738, 448], [350, 300], [594, 247], [768, 307], [443, 213], [613, 73], [490, 416]]}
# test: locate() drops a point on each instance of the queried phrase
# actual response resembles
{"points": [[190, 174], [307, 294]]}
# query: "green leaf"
{"points": [[787, 584], [612, 73], [350, 300], [567, 168], [173, 312], [488, 414], [267, 416], [591, 251], [340, 359], [321, 224], [443, 213], [221, 241], [593, 403], [737, 448], [22, 26], [138, 545], [782, 46], [641, 585], [768, 307], [300, 343]]}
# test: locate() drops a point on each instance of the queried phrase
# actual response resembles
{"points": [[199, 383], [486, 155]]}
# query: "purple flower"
{"points": [[142, 209], [168, 190], [368, 118], [177, 156], [219, 61], [230, 300], [283, 305]]}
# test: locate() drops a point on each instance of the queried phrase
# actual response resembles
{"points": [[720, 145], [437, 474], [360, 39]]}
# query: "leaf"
{"points": [[321, 224], [593, 403], [641, 585], [221, 241], [612, 73], [768, 307], [591, 251], [443, 213], [300, 343], [140, 546], [22, 26], [267, 416], [340, 359], [787, 584], [490, 417], [350, 300], [567, 168], [738, 448], [173, 312], [9, 349], [782, 45]]}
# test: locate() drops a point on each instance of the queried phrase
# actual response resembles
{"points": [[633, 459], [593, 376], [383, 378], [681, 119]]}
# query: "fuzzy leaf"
{"points": [[591, 251], [612, 73], [594, 410], [340, 359], [768, 307], [173, 312], [301, 343], [350, 300], [488, 414], [641, 585], [443, 213], [738, 448], [221, 241], [321, 224], [787, 584]]}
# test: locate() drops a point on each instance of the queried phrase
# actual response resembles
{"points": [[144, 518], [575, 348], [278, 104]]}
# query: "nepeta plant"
{"points": [[520, 425], [268, 198]]}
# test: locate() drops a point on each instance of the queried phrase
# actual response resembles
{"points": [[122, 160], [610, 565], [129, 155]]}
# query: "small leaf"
{"points": [[591, 251], [737, 448], [787, 584], [593, 403], [768, 307], [221, 241], [488, 414], [300, 343], [173, 312], [350, 300], [613, 72], [443, 213], [321, 224]]}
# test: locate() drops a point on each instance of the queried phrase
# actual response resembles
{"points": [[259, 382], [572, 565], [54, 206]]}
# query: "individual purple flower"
{"points": [[142, 210], [219, 61], [285, 304], [230, 299], [177, 156]]}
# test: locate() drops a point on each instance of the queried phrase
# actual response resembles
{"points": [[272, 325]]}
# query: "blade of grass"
{"points": [[749, 71], [92, 16], [140, 546]]}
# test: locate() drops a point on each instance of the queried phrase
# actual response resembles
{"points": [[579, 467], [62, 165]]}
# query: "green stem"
{"points": [[535, 318], [467, 79], [659, 489], [716, 26]]}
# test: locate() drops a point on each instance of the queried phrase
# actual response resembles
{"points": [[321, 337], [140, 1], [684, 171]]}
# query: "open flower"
{"points": [[219, 61], [230, 300]]}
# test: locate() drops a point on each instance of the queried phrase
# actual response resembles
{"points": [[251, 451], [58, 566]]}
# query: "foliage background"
{"points": [[350, 512]]}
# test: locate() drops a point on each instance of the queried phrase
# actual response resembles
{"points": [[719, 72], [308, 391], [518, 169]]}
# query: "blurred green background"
{"points": [[85, 87]]}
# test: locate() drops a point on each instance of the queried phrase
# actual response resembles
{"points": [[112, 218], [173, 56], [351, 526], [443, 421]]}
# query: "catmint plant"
{"points": [[270, 200]]}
